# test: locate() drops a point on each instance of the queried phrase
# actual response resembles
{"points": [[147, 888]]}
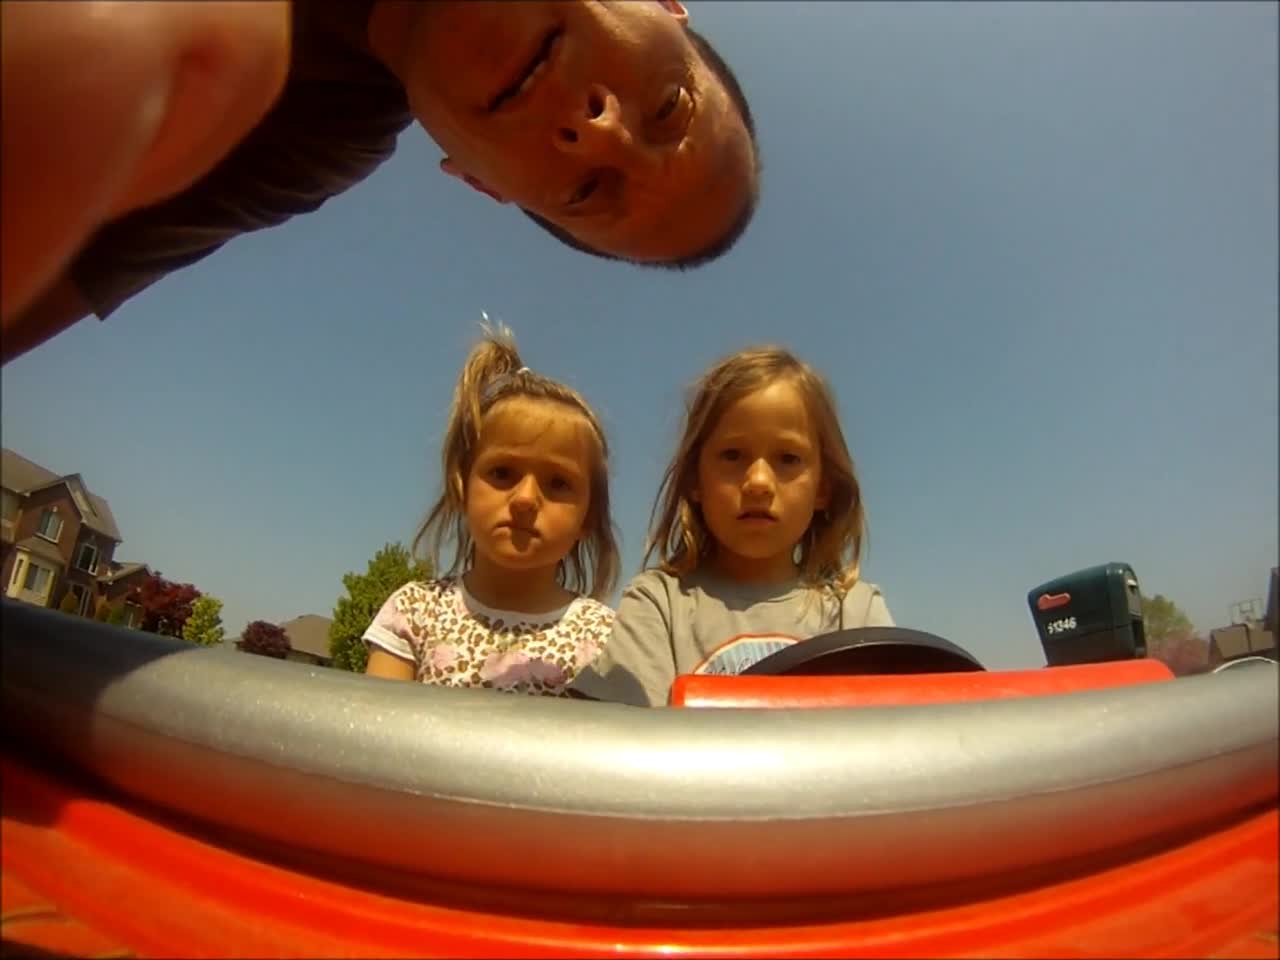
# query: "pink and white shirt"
{"points": [[453, 640]]}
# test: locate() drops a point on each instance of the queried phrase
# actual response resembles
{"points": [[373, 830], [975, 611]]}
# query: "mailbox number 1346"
{"points": [[1061, 626]]}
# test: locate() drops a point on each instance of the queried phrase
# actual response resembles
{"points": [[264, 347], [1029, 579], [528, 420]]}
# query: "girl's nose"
{"points": [[759, 478], [525, 494]]}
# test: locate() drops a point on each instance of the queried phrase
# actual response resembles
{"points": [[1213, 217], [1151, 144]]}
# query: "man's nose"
{"points": [[598, 128]]}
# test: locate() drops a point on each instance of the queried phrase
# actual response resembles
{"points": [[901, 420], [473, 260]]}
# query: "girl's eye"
{"points": [[732, 455], [669, 105], [500, 474], [561, 485], [790, 459]]}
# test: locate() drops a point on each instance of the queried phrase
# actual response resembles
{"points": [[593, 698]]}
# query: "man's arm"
{"points": [[109, 107]]}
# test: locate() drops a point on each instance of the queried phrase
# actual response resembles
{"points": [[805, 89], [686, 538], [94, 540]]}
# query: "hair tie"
{"points": [[500, 384]]}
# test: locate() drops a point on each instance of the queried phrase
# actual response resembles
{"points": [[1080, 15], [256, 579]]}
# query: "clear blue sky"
{"points": [[1034, 247]]}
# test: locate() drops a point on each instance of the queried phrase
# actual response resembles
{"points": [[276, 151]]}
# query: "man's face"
{"points": [[598, 115]]}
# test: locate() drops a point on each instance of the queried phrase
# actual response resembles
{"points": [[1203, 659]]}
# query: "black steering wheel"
{"points": [[866, 650]]}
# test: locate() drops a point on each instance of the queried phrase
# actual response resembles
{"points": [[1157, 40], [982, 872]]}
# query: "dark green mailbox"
{"points": [[1090, 616]]}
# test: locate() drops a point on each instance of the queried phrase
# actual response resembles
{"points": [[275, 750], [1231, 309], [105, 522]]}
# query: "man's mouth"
{"points": [[532, 70]]}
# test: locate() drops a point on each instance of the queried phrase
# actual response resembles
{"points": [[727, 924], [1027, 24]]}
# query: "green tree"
{"points": [[1171, 638], [204, 626], [390, 568], [117, 615], [69, 603], [1163, 619]]}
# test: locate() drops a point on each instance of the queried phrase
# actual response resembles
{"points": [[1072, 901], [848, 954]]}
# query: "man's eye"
{"points": [[585, 190], [669, 105]]}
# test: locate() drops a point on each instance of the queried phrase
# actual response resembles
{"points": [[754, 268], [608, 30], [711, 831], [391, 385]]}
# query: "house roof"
{"points": [[42, 548], [121, 569], [309, 633], [1240, 639], [21, 475]]}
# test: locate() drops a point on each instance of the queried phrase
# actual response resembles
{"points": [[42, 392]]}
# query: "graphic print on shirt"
{"points": [[745, 650]]}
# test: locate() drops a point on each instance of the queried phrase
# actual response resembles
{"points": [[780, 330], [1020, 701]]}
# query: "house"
{"points": [[117, 583], [1241, 640], [1272, 617], [1254, 638], [57, 537], [309, 639]]}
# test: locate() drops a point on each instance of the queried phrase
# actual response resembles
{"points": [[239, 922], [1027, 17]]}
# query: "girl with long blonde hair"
{"points": [[757, 534]]}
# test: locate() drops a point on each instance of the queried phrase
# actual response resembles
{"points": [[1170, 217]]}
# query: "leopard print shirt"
{"points": [[455, 641]]}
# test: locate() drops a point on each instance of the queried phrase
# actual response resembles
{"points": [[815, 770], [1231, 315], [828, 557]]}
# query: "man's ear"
{"points": [[676, 9], [453, 170]]}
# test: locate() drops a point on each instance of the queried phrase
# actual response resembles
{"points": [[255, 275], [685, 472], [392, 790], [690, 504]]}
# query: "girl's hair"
{"points": [[493, 372], [830, 551]]}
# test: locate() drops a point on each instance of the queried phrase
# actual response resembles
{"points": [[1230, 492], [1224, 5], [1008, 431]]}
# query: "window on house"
{"points": [[81, 594], [37, 580], [50, 525], [19, 565], [87, 558]]}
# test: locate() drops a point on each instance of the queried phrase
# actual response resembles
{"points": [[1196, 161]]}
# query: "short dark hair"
{"points": [[725, 242]]}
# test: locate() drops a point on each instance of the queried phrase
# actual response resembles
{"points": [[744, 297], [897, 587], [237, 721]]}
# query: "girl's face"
{"points": [[759, 482], [528, 491]]}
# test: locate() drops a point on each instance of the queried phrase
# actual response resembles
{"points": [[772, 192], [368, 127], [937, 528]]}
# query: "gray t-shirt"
{"points": [[667, 626]]}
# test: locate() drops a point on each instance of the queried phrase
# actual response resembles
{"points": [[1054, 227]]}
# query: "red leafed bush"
{"points": [[165, 605], [1183, 652], [264, 639]]}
